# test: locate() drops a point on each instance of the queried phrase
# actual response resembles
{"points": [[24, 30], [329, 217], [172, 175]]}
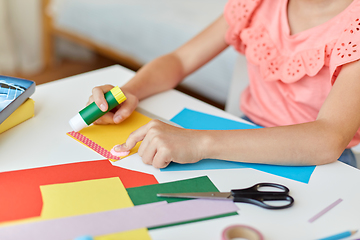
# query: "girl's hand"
{"points": [[163, 143], [120, 112]]}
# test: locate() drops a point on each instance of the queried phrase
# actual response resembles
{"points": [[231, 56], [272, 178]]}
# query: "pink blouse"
{"points": [[290, 75]]}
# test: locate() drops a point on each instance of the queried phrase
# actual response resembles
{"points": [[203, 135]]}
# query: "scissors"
{"points": [[247, 195]]}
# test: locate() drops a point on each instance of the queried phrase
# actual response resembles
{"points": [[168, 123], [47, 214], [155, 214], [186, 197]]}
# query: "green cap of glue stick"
{"points": [[92, 112]]}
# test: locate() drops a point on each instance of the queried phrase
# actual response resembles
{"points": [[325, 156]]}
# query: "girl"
{"points": [[304, 69]]}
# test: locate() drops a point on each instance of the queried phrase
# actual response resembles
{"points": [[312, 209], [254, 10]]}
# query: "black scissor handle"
{"points": [[254, 196], [254, 190], [256, 187], [261, 201]]}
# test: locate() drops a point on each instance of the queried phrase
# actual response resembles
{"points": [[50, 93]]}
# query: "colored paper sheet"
{"points": [[102, 138], [70, 199], [301, 174], [20, 190], [148, 215], [21, 114], [196, 120], [78, 198], [204, 164], [191, 119], [136, 234], [147, 194], [297, 173]]}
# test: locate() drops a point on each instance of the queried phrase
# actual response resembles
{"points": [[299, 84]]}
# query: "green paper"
{"points": [[197, 220], [147, 194]]}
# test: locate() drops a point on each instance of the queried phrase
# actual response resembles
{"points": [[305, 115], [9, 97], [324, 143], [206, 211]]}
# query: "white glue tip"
{"points": [[77, 123]]}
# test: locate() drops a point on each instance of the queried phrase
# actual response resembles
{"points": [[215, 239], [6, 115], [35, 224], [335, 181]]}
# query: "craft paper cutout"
{"points": [[196, 120], [20, 190], [191, 119], [141, 233], [102, 138], [97, 148], [205, 164], [79, 198], [325, 210], [76, 198], [148, 215], [297, 173], [300, 174], [147, 194]]}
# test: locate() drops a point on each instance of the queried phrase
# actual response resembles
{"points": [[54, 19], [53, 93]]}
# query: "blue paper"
{"points": [[204, 164], [196, 120], [201, 121]]}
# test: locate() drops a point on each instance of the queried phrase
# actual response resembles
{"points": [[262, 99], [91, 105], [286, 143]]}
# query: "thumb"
{"points": [[125, 110]]}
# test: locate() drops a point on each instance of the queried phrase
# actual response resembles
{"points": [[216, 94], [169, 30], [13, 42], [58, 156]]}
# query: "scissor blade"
{"points": [[203, 195]]}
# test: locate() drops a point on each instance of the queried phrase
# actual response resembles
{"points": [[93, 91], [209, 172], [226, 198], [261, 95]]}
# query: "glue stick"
{"points": [[92, 112]]}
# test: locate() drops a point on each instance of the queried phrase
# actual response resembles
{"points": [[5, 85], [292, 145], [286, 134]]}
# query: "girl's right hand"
{"points": [[120, 112]]}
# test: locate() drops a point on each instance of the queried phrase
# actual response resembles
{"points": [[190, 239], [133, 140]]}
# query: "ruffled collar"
{"points": [[290, 66]]}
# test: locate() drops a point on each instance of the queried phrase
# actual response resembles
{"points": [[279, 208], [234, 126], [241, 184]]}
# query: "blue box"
{"points": [[13, 92]]}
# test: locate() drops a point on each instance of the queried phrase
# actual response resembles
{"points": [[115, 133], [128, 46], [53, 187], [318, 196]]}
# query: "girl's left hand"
{"points": [[163, 143]]}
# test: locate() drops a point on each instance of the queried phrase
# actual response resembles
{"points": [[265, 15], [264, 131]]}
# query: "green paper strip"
{"points": [[147, 194]]}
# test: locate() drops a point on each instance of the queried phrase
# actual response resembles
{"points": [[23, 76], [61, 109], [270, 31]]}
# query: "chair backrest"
{"points": [[239, 82]]}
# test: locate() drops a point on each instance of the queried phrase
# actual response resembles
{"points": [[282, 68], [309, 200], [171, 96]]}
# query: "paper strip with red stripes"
{"points": [[91, 144]]}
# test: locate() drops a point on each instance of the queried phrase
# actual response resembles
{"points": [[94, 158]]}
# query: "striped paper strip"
{"points": [[94, 146]]}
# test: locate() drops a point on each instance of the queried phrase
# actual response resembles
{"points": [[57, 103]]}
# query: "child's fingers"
{"points": [[91, 99], [161, 160], [106, 119], [154, 152], [147, 151], [135, 137], [98, 96], [126, 108]]}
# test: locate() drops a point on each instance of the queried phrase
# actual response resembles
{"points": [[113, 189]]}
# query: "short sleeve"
{"points": [[238, 15], [347, 48]]}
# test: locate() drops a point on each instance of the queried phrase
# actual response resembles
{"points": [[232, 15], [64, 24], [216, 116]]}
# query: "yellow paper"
{"points": [[137, 234], [75, 198], [107, 136], [21, 114], [70, 199]]}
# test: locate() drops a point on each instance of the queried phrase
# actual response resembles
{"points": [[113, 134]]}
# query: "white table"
{"points": [[42, 141]]}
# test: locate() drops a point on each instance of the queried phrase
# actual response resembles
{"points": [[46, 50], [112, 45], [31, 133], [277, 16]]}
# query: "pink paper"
{"points": [[93, 145], [95, 224], [325, 210]]}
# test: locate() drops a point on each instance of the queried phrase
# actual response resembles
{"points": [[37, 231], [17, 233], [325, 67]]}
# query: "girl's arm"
{"points": [[167, 71], [319, 142]]}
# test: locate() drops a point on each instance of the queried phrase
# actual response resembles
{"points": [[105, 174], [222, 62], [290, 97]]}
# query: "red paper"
{"points": [[20, 195]]}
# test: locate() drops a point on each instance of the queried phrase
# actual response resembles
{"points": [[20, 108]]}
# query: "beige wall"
{"points": [[20, 36]]}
